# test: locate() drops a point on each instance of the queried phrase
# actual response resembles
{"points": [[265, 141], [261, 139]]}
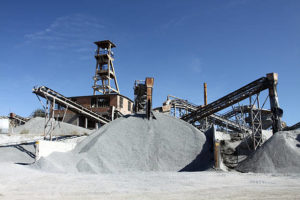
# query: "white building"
{"points": [[4, 125]]}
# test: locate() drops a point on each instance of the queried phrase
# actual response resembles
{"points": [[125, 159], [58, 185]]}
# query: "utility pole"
{"points": [[205, 101]]}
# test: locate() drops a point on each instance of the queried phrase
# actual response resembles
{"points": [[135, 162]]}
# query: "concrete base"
{"points": [[45, 148]]}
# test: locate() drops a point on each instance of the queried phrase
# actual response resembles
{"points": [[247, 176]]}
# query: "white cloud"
{"points": [[177, 21], [73, 31]]}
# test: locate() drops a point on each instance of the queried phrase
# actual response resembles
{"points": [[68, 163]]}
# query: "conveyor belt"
{"points": [[18, 118], [244, 109], [61, 100], [294, 127], [216, 119], [228, 100], [221, 121]]}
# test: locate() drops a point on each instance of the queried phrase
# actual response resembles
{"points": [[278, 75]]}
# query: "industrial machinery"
{"points": [[16, 120], [143, 96], [52, 97], [252, 89]]}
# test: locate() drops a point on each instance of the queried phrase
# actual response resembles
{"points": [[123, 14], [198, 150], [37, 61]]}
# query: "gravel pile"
{"points": [[134, 143], [35, 126], [280, 154]]}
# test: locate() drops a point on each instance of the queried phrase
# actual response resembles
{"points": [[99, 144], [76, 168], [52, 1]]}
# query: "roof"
{"points": [[102, 95], [105, 44]]}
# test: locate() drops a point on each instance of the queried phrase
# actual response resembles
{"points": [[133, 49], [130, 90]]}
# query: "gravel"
{"points": [[35, 126], [133, 143], [17, 154], [280, 154]]}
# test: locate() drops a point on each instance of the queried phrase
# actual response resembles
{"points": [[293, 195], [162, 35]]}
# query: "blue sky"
{"points": [[180, 43]]}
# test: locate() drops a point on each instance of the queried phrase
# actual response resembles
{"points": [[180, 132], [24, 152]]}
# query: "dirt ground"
{"points": [[21, 182]]}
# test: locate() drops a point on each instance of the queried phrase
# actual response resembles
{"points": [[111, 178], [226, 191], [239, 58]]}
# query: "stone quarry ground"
{"points": [[22, 182], [133, 158]]}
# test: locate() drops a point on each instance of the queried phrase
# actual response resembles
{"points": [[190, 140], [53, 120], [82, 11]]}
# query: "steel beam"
{"points": [[274, 102]]}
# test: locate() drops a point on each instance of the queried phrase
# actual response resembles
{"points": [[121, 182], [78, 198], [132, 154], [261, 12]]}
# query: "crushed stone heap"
{"points": [[35, 126], [280, 154], [133, 143]]}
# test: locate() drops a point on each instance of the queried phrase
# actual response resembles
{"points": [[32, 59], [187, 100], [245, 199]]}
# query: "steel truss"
{"points": [[252, 89]]}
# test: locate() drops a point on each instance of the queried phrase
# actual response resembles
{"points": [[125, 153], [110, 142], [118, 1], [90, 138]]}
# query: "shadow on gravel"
{"points": [[298, 139], [205, 159], [21, 148]]}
